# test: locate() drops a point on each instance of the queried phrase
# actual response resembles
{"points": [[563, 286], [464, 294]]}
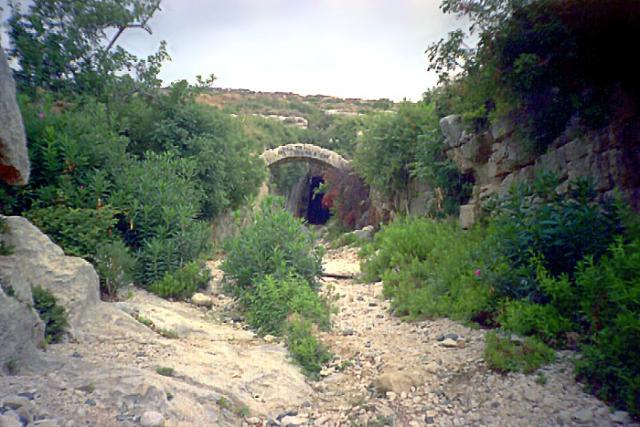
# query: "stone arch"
{"points": [[305, 152]]}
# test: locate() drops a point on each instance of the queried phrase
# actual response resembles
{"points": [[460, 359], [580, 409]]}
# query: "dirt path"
{"points": [[427, 381], [386, 371]]}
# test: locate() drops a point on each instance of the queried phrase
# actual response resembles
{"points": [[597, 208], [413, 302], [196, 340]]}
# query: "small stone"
{"points": [[451, 336], [448, 342], [583, 416], [15, 402], [8, 420], [152, 419], [620, 417], [201, 300], [27, 395], [90, 402], [429, 420], [391, 396], [46, 423], [270, 338], [292, 421], [253, 420], [347, 332], [532, 395], [77, 355], [431, 368]]}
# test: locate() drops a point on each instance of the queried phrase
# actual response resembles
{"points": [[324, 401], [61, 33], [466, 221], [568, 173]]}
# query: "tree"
{"points": [[72, 45]]}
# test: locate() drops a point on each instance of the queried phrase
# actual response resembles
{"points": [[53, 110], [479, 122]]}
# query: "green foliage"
{"points": [[610, 302], [273, 300], [305, 348], [387, 151], [161, 201], [429, 268], [4, 248], [182, 283], [409, 144], [540, 62], [72, 45], [505, 355], [114, 264], [275, 243], [542, 321], [533, 224], [53, 315], [164, 371], [79, 231]]}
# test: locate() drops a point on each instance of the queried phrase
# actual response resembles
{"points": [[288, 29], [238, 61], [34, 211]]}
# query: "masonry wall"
{"points": [[499, 157]]}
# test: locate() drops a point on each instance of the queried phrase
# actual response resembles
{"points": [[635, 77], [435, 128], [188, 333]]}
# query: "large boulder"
{"points": [[37, 261], [21, 332], [14, 159]]}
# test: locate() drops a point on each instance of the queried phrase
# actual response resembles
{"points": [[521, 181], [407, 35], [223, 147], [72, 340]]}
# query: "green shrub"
{"points": [[305, 348], [272, 300], [164, 371], [4, 248], [610, 302], [114, 264], [534, 225], [542, 321], [275, 243], [53, 315], [78, 231], [505, 355], [429, 268], [183, 283]]}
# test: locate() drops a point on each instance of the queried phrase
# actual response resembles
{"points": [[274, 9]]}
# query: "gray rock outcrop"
{"points": [[37, 261], [14, 158], [500, 157]]}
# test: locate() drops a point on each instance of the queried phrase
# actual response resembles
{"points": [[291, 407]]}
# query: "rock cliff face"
{"points": [[499, 158], [14, 160]]}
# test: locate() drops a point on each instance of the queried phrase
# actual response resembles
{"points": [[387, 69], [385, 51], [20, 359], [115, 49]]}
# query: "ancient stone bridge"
{"points": [[307, 152]]}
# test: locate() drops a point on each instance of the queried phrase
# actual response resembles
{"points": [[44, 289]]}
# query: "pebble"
{"points": [[448, 342], [583, 416], [152, 419], [292, 421], [620, 417], [9, 420]]}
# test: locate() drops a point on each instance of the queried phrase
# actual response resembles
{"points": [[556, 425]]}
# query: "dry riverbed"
{"points": [[151, 362]]}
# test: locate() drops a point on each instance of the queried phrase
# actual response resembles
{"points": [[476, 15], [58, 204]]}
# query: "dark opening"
{"points": [[316, 213]]}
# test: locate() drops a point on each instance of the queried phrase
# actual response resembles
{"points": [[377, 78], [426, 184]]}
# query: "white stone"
{"points": [[152, 419], [201, 300]]}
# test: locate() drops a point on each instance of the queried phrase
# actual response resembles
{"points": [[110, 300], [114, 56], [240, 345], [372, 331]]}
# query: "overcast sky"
{"points": [[346, 48]]}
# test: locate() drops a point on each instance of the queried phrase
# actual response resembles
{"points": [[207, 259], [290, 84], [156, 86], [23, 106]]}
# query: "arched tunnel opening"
{"points": [[316, 212]]}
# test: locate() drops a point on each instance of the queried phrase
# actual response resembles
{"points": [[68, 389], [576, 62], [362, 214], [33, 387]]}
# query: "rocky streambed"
{"points": [[150, 362]]}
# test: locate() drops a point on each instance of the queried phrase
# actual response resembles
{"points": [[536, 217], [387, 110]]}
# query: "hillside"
{"points": [[290, 107]]}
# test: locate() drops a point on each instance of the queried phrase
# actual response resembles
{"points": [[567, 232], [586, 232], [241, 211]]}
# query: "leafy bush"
{"points": [[533, 224], [4, 248], [276, 244], [53, 315], [78, 231], [273, 300], [505, 355], [429, 268], [183, 283], [398, 147], [161, 202], [114, 264], [610, 302], [542, 321], [305, 348]]}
